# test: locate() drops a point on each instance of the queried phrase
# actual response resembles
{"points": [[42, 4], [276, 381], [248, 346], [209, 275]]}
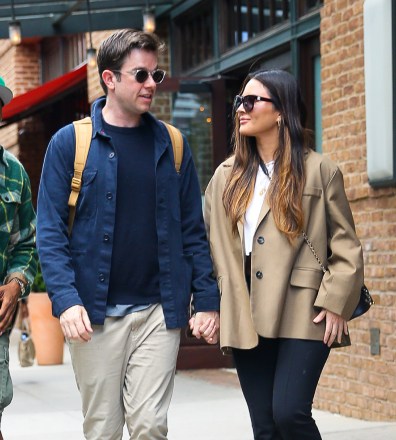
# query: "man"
{"points": [[18, 263], [121, 282]]}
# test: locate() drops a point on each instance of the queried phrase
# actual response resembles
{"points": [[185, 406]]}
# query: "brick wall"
{"points": [[8, 135], [354, 382], [94, 88], [20, 68]]}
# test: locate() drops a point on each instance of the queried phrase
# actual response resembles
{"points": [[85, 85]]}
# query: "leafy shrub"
{"points": [[38, 283]]}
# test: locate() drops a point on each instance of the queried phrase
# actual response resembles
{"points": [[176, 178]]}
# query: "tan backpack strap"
{"points": [[177, 144], [83, 129]]}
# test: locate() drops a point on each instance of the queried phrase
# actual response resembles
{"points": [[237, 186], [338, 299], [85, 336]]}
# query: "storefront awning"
{"points": [[44, 18], [24, 105]]}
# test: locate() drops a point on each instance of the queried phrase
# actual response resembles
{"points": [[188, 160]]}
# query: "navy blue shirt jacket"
{"points": [[76, 269]]}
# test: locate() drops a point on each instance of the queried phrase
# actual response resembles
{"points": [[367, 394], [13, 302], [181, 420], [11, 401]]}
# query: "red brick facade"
{"points": [[356, 383], [20, 68]]}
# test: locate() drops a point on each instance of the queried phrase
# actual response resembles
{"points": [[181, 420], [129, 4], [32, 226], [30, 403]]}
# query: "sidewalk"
{"points": [[206, 404]]}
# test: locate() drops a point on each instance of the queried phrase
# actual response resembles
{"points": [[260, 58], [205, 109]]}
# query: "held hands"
{"points": [[9, 294], [76, 324], [335, 325], [206, 325]]}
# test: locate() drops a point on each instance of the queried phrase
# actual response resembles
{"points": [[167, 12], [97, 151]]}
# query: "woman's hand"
{"points": [[206, 325], [335, 325]]}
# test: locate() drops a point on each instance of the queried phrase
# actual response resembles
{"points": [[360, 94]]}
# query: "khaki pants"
{"points": [[126, 374]]}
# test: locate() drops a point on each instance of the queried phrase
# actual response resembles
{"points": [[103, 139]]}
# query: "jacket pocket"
{"points": [[87, 200], [312, 202], [5, 378], [9, 201], [10, 197], [312, 191], [308, 278]]}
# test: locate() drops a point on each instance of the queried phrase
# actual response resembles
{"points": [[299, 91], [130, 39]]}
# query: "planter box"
{"points": [[47, 333]]}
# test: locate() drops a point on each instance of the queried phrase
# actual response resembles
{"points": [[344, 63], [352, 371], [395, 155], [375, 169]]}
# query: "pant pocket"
{"points": [[6, 392]]}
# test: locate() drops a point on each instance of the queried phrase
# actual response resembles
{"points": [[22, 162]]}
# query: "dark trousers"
{"points": [[279, 379]]}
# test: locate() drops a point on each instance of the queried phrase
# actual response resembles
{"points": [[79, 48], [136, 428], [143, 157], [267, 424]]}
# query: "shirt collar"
{"points": [[3, 156]]}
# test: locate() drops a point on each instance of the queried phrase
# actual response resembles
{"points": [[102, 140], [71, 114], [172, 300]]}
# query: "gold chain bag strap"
{"points": [[365, 300]]}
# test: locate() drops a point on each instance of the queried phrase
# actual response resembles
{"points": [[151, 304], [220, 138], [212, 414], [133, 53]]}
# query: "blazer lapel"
{"points": [[263, 212], [240, 231]]}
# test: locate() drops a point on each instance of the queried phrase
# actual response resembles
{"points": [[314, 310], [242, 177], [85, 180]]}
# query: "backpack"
{"points": [[83, 129]]}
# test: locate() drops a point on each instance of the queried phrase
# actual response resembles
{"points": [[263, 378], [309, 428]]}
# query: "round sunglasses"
{"points": [[248, 101], [141, 75]]}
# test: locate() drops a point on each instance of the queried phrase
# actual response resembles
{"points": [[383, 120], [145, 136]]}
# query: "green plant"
{"points": [[38, 283]]}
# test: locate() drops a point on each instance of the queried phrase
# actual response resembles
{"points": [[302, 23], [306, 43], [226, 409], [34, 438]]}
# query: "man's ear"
{"points": [[109, 78]]}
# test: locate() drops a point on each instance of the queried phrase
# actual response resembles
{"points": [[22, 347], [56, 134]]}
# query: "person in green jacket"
{"points": [[18, 256]]}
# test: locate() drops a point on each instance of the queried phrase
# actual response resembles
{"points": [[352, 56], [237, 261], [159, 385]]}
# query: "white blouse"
{"points": [[254, 208]]}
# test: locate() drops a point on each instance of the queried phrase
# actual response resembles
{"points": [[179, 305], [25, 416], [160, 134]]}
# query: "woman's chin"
{"points": [[245, 131]]}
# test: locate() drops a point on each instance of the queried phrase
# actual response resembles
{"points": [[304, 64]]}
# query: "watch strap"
{"points": [[22, 285]]}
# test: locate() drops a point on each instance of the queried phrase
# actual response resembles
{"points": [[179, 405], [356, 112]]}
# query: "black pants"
{"points": [[279, 379]]}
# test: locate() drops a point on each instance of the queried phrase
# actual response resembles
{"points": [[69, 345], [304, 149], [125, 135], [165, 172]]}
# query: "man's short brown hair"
{"points": [[114, 50]]}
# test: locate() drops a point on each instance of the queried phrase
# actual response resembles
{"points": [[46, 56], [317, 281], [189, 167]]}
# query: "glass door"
{"points": [[192, 114]]}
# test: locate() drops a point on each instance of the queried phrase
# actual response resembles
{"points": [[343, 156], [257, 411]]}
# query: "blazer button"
{"points": [[260, 240], [111, 155], [106, 238], [109, 196], [259, 275], [101, 277]]}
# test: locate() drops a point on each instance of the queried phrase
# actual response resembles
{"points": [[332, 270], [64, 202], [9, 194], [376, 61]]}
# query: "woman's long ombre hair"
{"points": [[285, 191]]}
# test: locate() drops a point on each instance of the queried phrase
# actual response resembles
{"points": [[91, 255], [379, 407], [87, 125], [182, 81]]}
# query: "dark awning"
{"points": [[24, 105], [43, 18]]}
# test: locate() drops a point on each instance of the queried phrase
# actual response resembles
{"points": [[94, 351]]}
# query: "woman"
{"points": [[280, 313]]}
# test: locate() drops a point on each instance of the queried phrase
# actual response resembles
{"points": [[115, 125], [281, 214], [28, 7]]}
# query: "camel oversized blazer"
{"points": [[288, 288]]}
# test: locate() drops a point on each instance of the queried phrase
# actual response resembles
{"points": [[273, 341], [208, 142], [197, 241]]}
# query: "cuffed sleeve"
{"points": [[340, 288]]}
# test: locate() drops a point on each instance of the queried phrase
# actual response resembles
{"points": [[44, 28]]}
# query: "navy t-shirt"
{"points": [[134, 276]]}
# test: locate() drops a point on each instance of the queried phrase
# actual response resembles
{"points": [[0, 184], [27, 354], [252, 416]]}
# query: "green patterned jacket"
{"points": [[18, 255]]}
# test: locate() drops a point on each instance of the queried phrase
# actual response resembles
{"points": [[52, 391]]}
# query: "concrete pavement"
{"points": [[207, 404]]}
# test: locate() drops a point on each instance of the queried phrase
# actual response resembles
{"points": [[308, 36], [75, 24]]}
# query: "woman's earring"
{"points": [[279, 122]]}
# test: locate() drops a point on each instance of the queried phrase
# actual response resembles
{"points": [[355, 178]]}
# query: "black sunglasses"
{"points": [[141, 75], [248, 101]]}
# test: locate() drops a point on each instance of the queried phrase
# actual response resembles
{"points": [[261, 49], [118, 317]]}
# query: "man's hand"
{"points": [[206, 325], [335, 325], [76, 324], [9, 294]]}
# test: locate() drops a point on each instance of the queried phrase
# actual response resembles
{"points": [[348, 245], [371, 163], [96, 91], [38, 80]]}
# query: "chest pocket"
{"points": [[312, 191], [312, 198], [9, 201], [87, 200]]}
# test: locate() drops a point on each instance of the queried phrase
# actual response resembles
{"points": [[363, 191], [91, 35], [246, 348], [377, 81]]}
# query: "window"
{"points": [[247, 18], [192, 114], [195, 37], [310, 82], [306, 6], [61, 54]]}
